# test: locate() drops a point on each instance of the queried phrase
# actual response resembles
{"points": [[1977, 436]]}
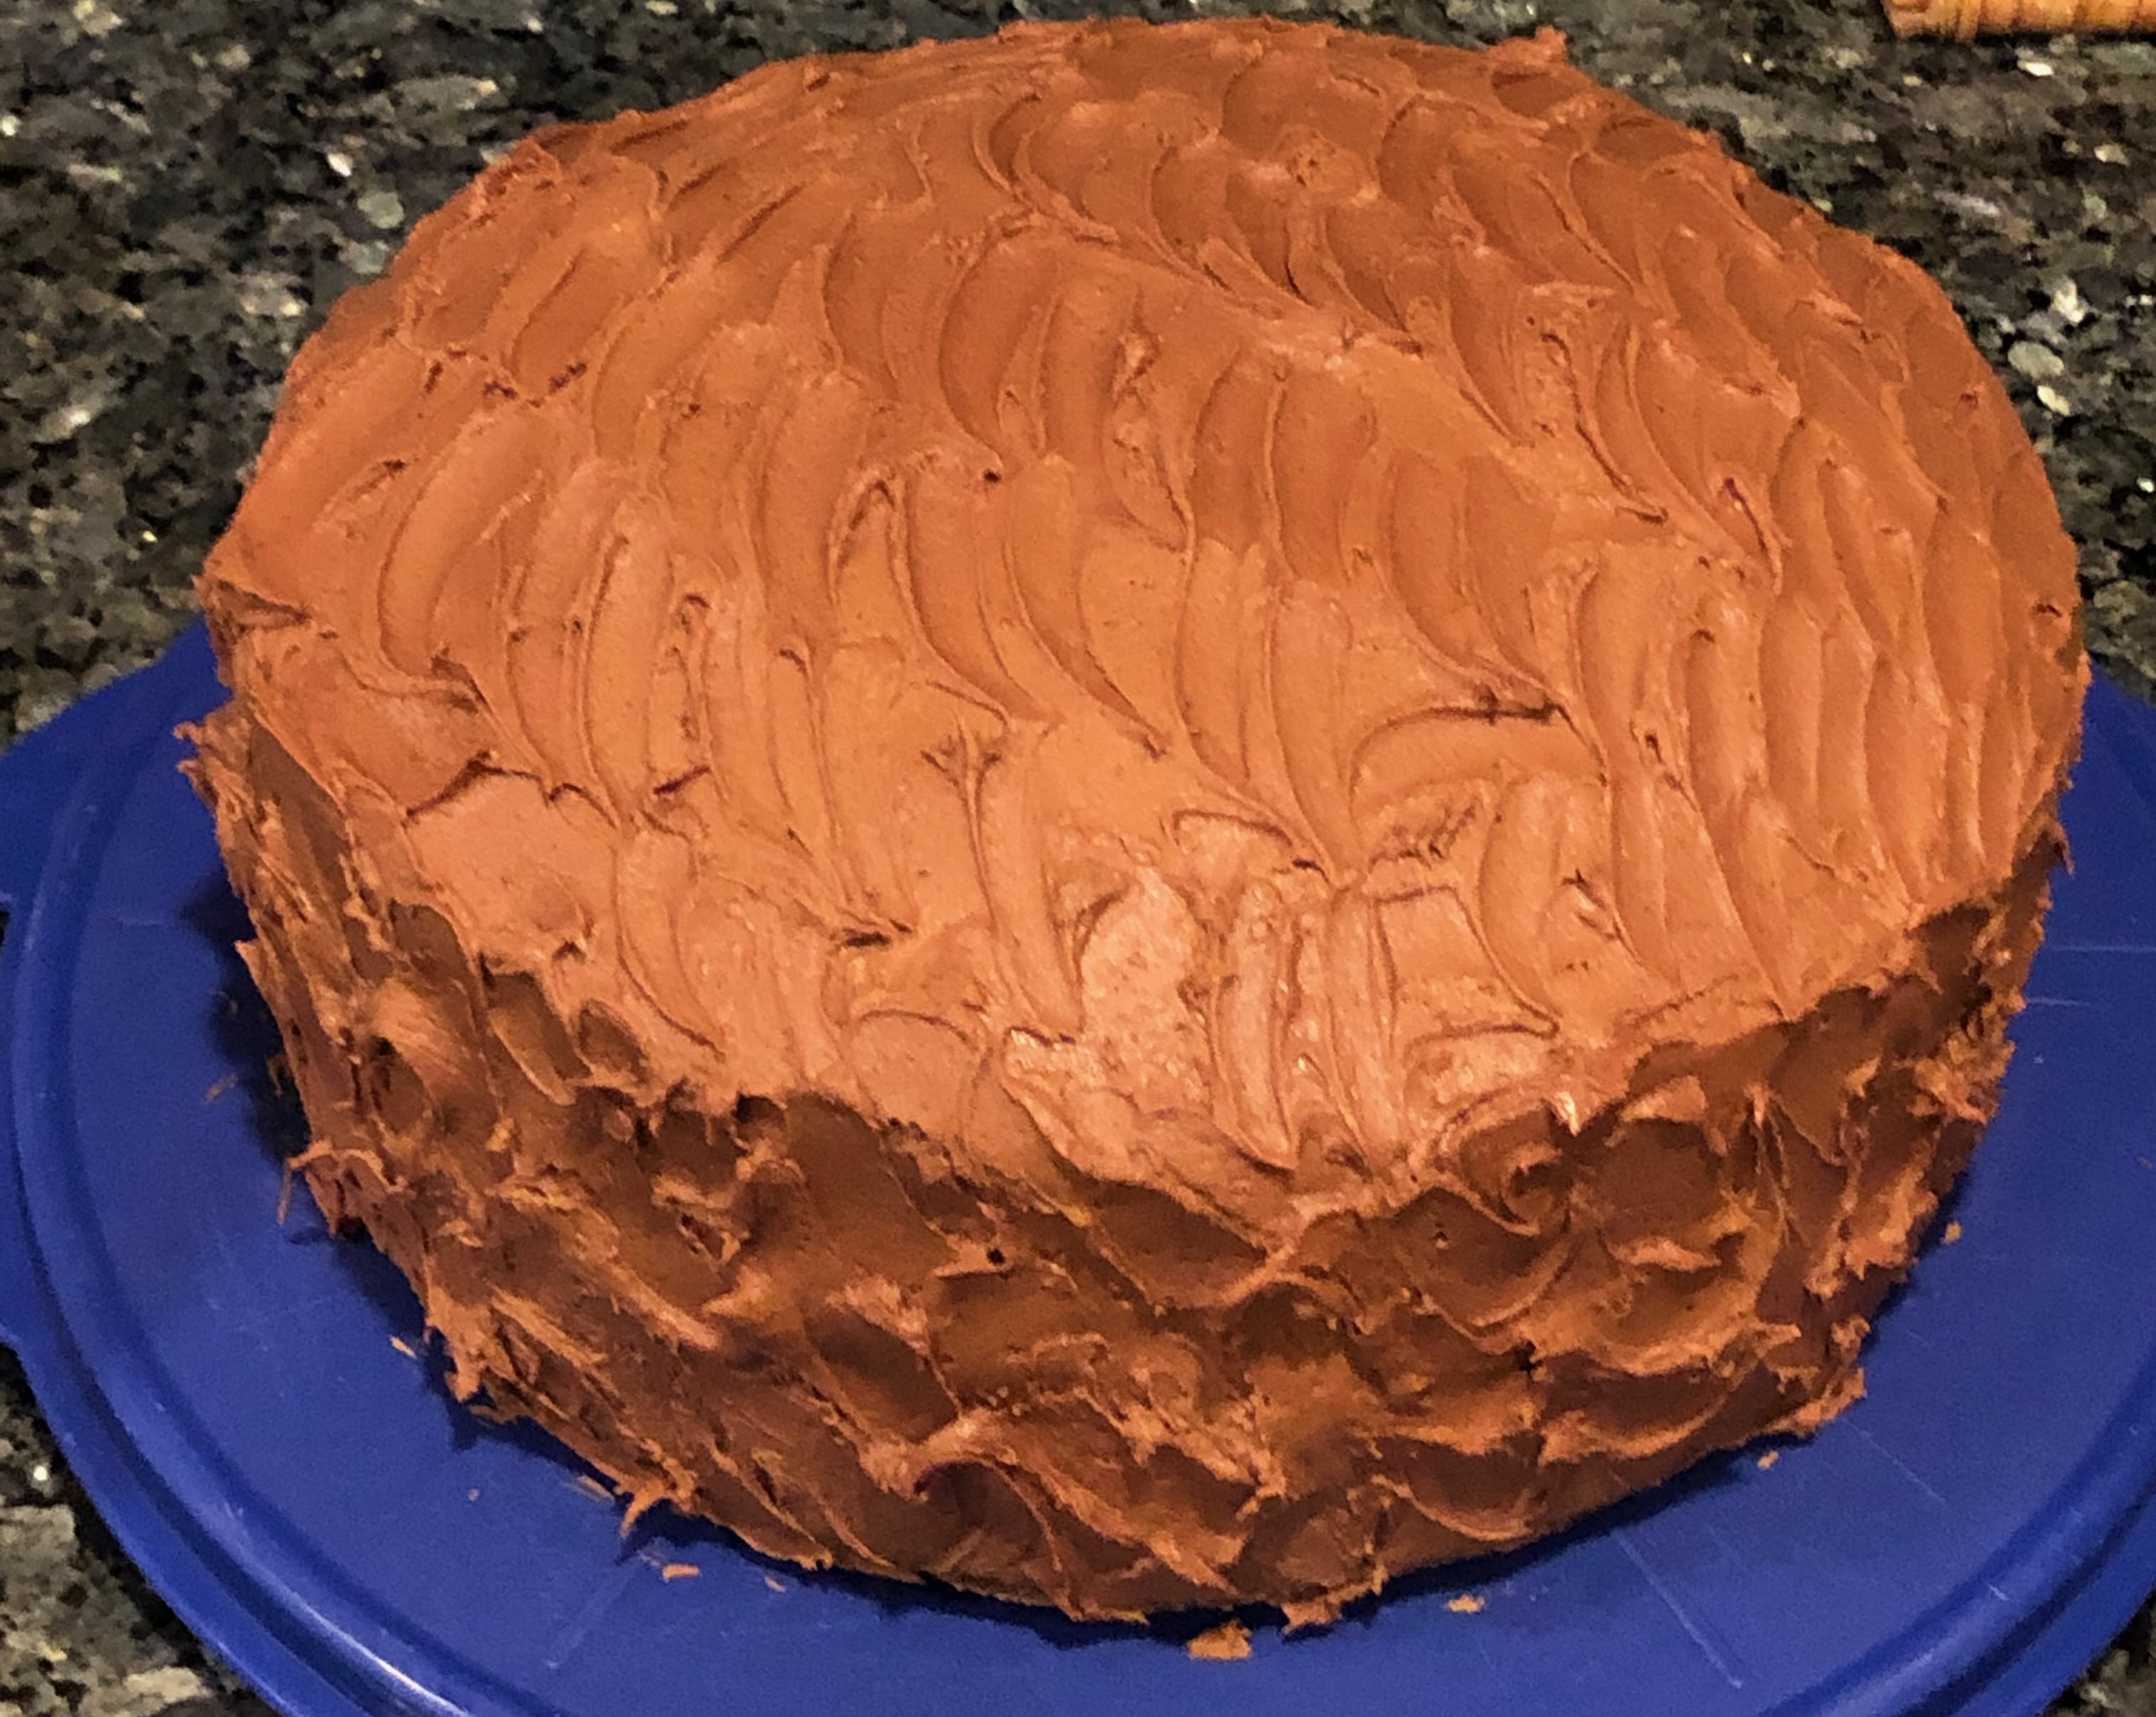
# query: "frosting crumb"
{"points": [[1228, 1643]]}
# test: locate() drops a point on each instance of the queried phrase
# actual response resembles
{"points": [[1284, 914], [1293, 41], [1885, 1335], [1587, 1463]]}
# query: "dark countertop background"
{"points": [[185, 185]]}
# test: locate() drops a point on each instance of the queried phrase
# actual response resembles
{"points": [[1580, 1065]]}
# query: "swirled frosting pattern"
{"points": [[1145, 815]]}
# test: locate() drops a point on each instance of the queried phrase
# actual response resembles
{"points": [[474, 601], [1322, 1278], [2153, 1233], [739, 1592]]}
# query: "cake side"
{"points": [[860, 1343], [1339, 735]]}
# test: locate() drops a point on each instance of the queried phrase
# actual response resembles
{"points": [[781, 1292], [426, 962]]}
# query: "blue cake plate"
{"points": [[252, 1404]]}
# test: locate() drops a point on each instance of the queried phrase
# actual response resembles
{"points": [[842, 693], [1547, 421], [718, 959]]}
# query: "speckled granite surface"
{"points": [[185, 185]]}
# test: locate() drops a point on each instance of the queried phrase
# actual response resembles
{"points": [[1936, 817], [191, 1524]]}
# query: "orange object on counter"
{"points": [[1966, 19]]}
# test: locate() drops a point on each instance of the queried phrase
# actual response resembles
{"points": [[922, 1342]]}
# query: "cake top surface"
{"points": [[1265, 595]]}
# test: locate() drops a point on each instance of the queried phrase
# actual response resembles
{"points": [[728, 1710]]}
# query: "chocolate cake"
{"points": [[1143, 816]]}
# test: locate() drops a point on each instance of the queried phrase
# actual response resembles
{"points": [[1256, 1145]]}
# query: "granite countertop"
{"points": [[189, 184]]}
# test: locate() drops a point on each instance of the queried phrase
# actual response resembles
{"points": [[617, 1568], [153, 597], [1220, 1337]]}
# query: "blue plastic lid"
{"points": [[251, 1406]]}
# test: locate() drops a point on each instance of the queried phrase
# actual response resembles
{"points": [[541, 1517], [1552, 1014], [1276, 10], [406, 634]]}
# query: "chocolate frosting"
{"points": [[1144, 815]]}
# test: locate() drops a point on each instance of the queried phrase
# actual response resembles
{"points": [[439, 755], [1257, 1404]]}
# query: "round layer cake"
{"points": [[1143, 816]]}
